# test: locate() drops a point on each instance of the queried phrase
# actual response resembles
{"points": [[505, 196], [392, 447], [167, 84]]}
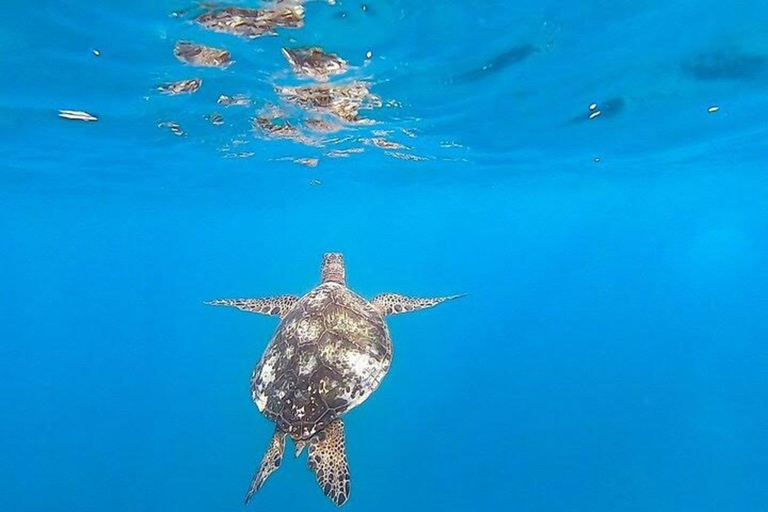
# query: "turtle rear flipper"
{"points": [[269, 463], [328, 459]]}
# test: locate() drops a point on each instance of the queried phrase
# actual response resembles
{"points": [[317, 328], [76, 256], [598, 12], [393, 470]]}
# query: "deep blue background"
{"points": [[611, 353]]}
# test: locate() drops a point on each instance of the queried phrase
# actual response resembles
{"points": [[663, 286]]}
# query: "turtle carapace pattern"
{"points": [[330, 352]]}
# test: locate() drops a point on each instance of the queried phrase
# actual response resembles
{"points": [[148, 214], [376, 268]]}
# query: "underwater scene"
{"points": [[394, 255]]}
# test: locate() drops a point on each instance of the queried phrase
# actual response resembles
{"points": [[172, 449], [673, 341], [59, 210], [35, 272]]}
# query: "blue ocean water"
{"points": [[610, 354]]}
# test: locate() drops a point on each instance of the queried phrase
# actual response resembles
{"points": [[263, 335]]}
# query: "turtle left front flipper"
{"points": [[328, 459], [275, 306], [396, 304]]}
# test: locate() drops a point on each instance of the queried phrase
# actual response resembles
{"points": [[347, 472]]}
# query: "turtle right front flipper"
{"points": [[276, 306], [396, 304]]}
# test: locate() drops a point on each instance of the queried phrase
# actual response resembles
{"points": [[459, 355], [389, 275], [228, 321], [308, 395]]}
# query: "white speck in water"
{"points": [[713, 109], [332, 2], [369, 55], [595, 114], [598, 159], [364, 8], [593, 106], [97, 53]]}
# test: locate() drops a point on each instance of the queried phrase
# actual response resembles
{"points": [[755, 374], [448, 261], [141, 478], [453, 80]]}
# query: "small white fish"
{"points": [[713, 109], [595, 114], [593, 106], [96, 53], [369, 55], [77, 115]]}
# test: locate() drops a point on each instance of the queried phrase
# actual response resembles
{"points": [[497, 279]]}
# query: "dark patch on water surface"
{"points": [[725, 65], [500, 62], [608, 108], [198, 55], [252, 22], [344, 101], [181, 87], [314, 63]]}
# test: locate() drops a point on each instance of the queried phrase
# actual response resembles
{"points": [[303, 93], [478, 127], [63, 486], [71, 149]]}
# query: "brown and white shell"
{"points": [[328, 355]]}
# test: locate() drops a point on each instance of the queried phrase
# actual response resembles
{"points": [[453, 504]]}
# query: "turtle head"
{"points": [[333, 270]]}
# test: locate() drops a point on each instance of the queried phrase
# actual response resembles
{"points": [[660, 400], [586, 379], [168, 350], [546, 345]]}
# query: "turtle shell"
{"points": [[327, 356]]}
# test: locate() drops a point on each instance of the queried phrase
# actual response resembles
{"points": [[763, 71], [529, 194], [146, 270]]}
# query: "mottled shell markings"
{"points": [[308, 330], [307, 364], [330, 354]]}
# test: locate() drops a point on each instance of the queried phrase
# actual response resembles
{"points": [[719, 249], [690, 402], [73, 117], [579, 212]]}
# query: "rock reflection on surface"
{"points": [[174, 128], [343, 153], [314, 63], [383, 143], [278, 128], [238, 100], [215, 119], [239, 154], [308, 162], [405, 156], [181, 87], [253, 22], [343, 101], [198, 55], [312, 114], [318, 125]]}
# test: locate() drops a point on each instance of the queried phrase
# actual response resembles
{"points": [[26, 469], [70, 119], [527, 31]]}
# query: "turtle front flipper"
{"points": [[328, 459], [275, 306], [269, 463], [395, 304]]}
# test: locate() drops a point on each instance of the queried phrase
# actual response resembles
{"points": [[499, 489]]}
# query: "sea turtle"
{"points": [[330, 352]]}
